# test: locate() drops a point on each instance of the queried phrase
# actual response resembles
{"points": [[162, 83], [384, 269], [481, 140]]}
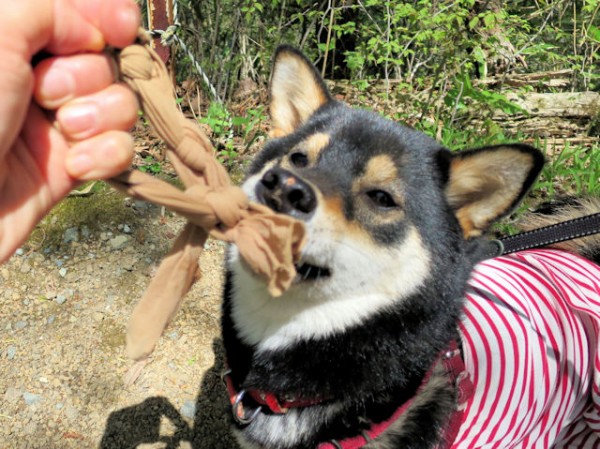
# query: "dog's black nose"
{"points": [[284, 192]]}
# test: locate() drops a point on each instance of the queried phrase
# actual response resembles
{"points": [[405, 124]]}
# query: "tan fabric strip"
{"points": [[268, 242]]}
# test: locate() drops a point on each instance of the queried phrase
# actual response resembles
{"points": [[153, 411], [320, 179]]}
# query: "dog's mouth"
{"points": [[309, 272]]}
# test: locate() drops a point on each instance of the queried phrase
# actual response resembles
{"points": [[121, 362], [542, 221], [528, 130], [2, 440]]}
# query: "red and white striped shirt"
{"points": [[530, 336]]}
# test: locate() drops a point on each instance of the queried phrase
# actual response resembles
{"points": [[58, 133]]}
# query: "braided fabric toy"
{"points": [[268, 242]]}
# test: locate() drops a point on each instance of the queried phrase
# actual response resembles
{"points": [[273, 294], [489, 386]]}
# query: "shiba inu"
{"points": [[395, 333]]}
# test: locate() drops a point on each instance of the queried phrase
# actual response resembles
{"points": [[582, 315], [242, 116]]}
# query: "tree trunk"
{"points": [[497, 55]]}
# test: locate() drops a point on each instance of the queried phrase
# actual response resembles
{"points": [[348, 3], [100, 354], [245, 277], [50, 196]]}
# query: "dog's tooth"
{"points": [[307, 272]]}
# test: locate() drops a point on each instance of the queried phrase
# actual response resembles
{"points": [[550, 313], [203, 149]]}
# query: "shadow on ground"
{"points": [[140, 424]]}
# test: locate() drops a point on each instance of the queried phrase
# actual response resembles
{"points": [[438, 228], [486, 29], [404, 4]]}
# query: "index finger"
{"points": [[91, 24]]}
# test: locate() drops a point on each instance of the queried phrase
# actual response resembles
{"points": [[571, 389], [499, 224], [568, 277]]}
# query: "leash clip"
{"points": [[495, 248], [239, 413]]}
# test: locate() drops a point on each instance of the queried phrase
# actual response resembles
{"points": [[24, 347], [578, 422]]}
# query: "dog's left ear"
{"points": [[488, 183], [297, 91]]}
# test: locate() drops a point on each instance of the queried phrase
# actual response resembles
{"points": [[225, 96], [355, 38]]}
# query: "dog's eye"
{"points": [[299, 160], [381, 198]]}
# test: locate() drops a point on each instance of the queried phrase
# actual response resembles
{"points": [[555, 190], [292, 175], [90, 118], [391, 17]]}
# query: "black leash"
{"points": [[548, 235]]}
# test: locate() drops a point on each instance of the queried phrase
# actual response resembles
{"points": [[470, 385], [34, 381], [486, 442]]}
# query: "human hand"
{"points": [[44, 155]]}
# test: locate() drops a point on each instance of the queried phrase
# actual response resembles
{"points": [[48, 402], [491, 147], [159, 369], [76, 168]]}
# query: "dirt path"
{"points": [[62, 364]]}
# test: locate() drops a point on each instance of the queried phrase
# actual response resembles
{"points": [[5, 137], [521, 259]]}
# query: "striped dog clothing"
{"points": [[530, 334]]}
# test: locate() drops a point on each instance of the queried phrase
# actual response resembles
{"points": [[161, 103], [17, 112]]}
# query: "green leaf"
{"points": [[473, 22], [594, 33]]}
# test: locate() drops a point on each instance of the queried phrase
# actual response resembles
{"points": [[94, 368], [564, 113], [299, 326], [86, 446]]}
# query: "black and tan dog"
{"points": [[368, 347]]}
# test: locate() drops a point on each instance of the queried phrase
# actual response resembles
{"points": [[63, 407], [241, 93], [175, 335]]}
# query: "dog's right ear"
{"points": [[297, 91]]}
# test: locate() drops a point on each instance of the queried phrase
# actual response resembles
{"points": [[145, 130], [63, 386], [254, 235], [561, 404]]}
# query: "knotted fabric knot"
{"points": [[226, 203]]}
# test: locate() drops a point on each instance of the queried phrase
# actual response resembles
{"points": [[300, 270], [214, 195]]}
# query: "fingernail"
{"points": [[57, 86], [79, 164], [78, 120]]}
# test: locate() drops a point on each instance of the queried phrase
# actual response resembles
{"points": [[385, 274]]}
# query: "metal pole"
{"points": [[160, 14]]}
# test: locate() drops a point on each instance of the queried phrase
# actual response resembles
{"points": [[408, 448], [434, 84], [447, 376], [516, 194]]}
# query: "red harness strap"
{"points": [[453, 366]]}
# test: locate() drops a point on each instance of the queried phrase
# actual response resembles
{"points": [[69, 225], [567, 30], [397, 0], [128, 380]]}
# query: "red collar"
{"points": [[453, 365], [271, 401]]}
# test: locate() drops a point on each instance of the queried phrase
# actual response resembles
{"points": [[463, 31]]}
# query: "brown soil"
{"points": [[65, 381]]}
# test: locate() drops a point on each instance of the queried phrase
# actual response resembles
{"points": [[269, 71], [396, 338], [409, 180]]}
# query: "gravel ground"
{"points": [[62, 365]]}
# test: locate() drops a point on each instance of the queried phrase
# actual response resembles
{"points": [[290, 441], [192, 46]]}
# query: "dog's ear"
{"points": [[488, 183], [297, 91]]}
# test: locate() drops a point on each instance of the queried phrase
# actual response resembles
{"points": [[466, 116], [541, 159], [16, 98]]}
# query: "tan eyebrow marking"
{"points": [[380, 170], [315, 144]]}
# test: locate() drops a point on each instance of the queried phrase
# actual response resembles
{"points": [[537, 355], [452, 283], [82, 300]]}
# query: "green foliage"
{"points": [[573, 170], [226, 128], [457, 97], [248, 126], [151, 166], [218, 119], [426, 43]]}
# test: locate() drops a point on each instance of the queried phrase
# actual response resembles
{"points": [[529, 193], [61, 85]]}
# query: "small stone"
{"points": [[60, 299], [62, 272], [60, 263], [128, 263], [127, 229], [19, 252], [59, 406], [11, 351], [37, 258], [173, 335], [12, 395], [71, 412], [85, 232], [50, 319], [25, 267], [141, 205], [32, 398], [119, 241], [104, 236], [30, 428], [71, 235], [188, 409], [20, 325]]}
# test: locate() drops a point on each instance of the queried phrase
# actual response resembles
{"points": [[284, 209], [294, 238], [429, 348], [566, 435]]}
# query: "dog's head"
{"points": [[387, 209]]}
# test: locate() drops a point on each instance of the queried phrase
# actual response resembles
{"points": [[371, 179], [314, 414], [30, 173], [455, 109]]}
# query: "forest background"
{"points": [[462, 71]]}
